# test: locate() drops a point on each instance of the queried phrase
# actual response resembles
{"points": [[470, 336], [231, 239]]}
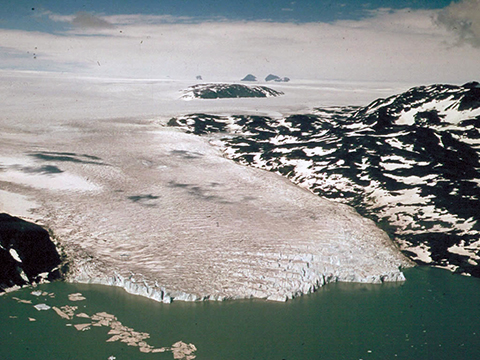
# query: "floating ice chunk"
{"points": [[82, 327], [36, 293], [76, 297], [105, 315], [182, 350], [40, 307], [22, 301], [114, 338], [61, 313], [159, 350], [66, 312]]}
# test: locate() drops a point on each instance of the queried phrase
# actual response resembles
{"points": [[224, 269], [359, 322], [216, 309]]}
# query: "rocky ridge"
{"points": [[222, 91]]}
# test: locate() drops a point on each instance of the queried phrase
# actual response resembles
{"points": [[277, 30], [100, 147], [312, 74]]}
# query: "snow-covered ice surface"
{"points": [[16, 204], [163, 213]]}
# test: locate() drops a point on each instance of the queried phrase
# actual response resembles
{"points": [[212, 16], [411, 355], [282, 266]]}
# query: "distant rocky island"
{"points": [[249, 77], [276, 78], [270, 77], [223, 91]]}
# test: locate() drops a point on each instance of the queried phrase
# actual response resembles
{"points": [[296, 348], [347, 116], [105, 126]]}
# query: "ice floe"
{"points": [[41, 307]]}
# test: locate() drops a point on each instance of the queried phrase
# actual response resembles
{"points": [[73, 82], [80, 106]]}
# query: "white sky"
{"points": [[402, 45]]}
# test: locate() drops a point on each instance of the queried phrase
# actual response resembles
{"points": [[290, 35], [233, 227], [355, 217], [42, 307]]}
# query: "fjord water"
{"points": [[433, 315]]}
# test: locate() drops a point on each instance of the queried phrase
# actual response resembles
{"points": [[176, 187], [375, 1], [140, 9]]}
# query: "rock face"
{"points": [[276, 78], [219, 91], [249, 77], [410, 162], [27, 255]]}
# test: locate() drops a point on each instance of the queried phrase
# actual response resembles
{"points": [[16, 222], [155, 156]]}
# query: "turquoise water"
{"points": [[433, 315]]}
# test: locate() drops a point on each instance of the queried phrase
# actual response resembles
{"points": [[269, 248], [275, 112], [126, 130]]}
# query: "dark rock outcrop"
{"points": [[27, 255], [218, 91], [276, 78], [249, 77]]}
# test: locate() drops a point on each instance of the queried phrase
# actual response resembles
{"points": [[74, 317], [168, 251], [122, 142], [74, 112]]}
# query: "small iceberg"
{"points": [[76, 297], [40, 307]]}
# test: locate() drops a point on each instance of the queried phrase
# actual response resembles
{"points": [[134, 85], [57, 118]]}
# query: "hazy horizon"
{"points": [[403, 41]]}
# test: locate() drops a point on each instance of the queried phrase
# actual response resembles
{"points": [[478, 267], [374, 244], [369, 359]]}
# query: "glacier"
{"points": [[134, 203]]}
